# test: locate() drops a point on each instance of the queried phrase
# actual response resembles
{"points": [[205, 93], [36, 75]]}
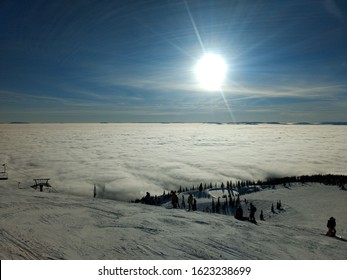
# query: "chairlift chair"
{"points": [[3, 174], [40, 183]]}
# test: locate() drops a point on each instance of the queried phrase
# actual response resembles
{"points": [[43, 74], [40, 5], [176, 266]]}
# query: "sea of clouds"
{"points": [[126, 160]]}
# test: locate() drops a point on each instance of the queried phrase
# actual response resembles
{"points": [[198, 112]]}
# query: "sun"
{"points": [[210, 71]]}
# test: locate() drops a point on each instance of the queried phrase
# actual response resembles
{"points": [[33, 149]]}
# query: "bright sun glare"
{"points": [[210, 71]]}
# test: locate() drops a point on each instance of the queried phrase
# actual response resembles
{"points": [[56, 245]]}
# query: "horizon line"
{"points": [[189, 122]]}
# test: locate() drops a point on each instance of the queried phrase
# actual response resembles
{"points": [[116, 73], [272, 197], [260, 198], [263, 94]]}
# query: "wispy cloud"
{"points": [[95, 58], [333, 9]]}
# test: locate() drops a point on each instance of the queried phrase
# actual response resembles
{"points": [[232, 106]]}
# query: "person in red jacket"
{"points": [[331, 227]]}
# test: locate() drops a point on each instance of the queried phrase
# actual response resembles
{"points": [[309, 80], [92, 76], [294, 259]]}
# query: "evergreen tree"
{"points": [[261, 215], [226, 205], [218, 206], [231, 202]]}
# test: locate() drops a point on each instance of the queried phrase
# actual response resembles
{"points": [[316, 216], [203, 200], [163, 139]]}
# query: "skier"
{"points": [[190, 201], [174, 200], [331, 227], [239, 213], [194, 205], [148, 198], [252, 209]]}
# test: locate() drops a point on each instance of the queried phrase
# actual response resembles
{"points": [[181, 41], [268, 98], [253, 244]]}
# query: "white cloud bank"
{"points": [[130, 159]]}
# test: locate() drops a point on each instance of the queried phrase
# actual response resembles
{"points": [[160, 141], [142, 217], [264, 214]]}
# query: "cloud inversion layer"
{"points": [[130, 159]]}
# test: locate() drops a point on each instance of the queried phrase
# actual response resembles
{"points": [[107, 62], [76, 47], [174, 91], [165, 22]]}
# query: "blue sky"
{"points": [[133, 61]]}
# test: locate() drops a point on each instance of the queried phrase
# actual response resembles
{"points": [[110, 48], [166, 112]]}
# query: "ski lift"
{"points": [[3, 174], [40, 183]]}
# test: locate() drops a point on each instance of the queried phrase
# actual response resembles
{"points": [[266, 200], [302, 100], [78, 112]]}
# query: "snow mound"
{"points": [[42, 225]]}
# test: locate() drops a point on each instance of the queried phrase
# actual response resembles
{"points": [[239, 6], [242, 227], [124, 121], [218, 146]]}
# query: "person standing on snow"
{"points": [[239, 213], [331, 227], [194, 205], [174, 200], [190, 201], [252, 209]]}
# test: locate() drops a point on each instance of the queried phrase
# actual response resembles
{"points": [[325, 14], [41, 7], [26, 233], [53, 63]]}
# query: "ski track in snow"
{"points": [[46, 225]]}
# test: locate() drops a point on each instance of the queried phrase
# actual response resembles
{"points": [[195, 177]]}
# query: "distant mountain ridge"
{"points": [[218, 123]]}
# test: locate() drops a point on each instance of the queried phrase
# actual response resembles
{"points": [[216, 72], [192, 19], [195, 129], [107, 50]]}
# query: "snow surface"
{"points": [[47, 225]]}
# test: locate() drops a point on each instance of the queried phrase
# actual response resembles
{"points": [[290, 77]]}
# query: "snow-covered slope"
{"points": [[42, 225]]}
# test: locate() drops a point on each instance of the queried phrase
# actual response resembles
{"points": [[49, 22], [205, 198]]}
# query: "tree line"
{"points": [[241, 185], [327, 179], [244, 186]]}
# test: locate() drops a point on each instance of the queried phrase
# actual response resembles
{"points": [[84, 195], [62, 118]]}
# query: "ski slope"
{"points": [[43, 225]]}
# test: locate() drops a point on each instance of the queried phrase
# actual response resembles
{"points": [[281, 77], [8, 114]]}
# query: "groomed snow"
{"points": [[43, 225]]}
